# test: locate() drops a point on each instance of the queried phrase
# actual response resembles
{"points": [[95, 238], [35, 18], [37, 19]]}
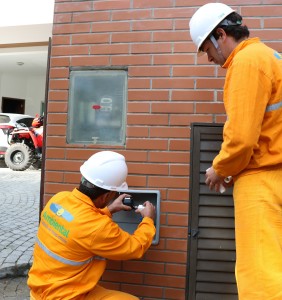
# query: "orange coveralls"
{"points": [[74, 239], [251, 152]]}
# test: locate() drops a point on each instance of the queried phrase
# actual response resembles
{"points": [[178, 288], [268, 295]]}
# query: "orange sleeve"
{"points": [[246, 93], [112, 242]]}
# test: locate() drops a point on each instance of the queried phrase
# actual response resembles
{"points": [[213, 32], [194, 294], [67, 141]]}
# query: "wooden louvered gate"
{"points": [[211, 244]]}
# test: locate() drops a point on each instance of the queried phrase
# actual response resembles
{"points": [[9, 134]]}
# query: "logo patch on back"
{"points": [[61, 212]]}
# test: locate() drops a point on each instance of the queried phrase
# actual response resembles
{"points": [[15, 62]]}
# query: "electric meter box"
{"points": [[129, 220]]}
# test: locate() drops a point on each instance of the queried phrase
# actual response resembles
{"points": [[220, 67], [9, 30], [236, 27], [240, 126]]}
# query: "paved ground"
{"points": [[19, 214]]}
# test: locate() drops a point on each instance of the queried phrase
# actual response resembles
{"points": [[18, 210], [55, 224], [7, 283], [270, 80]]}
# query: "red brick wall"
{"points": [[169, 87]]}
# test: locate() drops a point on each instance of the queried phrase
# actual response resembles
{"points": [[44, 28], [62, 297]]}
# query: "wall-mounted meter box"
{"points": [[129, 220], [97, 107]]}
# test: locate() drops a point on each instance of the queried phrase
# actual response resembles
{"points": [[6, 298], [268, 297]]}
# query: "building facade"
{"points": [[158, 87]]}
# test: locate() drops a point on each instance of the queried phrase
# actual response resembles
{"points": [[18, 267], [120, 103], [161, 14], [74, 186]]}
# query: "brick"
{"points": [[91, 38], [268, 35], [177, 220], [177, 182], [110, 5], [137, 132], [60, 62], [172, 83], [61, 40], [184, 47], [110, 26], [154, 4], [170, 36], [110, 49], [57, 130], [180, 120], [175, 59], [131, 60], [262, 10], [182, 25], [173, 108], [90, 61], [273, 23], [136, 83], [192, 71], [147, 144], [72, 7], [72, 178], [130, 37], [56, 119], [59, 73], [58, 95], [59, 84], [151, 48], [148, 95], [136, 181], [174, 294], [192, 95], [179, 145], [57, 107], [55, 141], [70, 28], [176, 269], [131, 15], [173, 13], [167, 256], [53, 177], [141, 168], [144, 267], [178, 195], [62, 18], [149, 71], [146, 25], [54, 188], [69, 50], [138, 107], [172, 157], [180, 170], [169, 132], [176, 244], [210, 108], [92, 16], [147, 119], [175, 207], [55, 153], [209, 83]]}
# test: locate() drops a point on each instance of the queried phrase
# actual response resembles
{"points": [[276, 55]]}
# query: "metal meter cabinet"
{"points": [[129, 220]]}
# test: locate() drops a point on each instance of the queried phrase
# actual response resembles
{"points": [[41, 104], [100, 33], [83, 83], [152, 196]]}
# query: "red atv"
{"points": [[25, 146]]}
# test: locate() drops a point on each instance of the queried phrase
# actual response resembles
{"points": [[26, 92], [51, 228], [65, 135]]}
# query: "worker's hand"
{"points": [[149, 210], [117, 204], [213, 181]]}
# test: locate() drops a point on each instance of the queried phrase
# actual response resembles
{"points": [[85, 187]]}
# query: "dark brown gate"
{"points": [[211, 244]]}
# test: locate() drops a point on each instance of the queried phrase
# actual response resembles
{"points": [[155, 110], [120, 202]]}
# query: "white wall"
{"points": [[31, 89]]}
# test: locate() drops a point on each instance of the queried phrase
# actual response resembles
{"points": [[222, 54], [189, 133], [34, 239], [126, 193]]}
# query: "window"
{"points": [[97, 107]]}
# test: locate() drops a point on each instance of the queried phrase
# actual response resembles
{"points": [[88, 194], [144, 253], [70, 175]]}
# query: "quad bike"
{"points": [[25, 146]]}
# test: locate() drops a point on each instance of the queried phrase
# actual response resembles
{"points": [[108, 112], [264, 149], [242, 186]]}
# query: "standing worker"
{"points": [[76, 234], [251, 151]]}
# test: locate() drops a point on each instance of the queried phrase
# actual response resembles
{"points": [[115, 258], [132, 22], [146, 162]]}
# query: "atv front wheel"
{"points": [[19, 157]]}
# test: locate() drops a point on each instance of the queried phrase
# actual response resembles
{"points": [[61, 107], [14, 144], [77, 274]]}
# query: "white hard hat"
{"points": [[107, 170], [205, 20]]}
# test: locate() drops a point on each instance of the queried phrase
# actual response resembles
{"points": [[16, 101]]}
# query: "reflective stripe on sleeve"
{"points": [[275, 106], [60, 258]]}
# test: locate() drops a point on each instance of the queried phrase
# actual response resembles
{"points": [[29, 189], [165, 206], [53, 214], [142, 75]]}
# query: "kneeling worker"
{"points": [[76, 234]]}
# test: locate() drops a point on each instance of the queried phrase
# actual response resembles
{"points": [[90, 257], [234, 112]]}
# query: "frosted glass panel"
{"points": [[97, 107]]}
